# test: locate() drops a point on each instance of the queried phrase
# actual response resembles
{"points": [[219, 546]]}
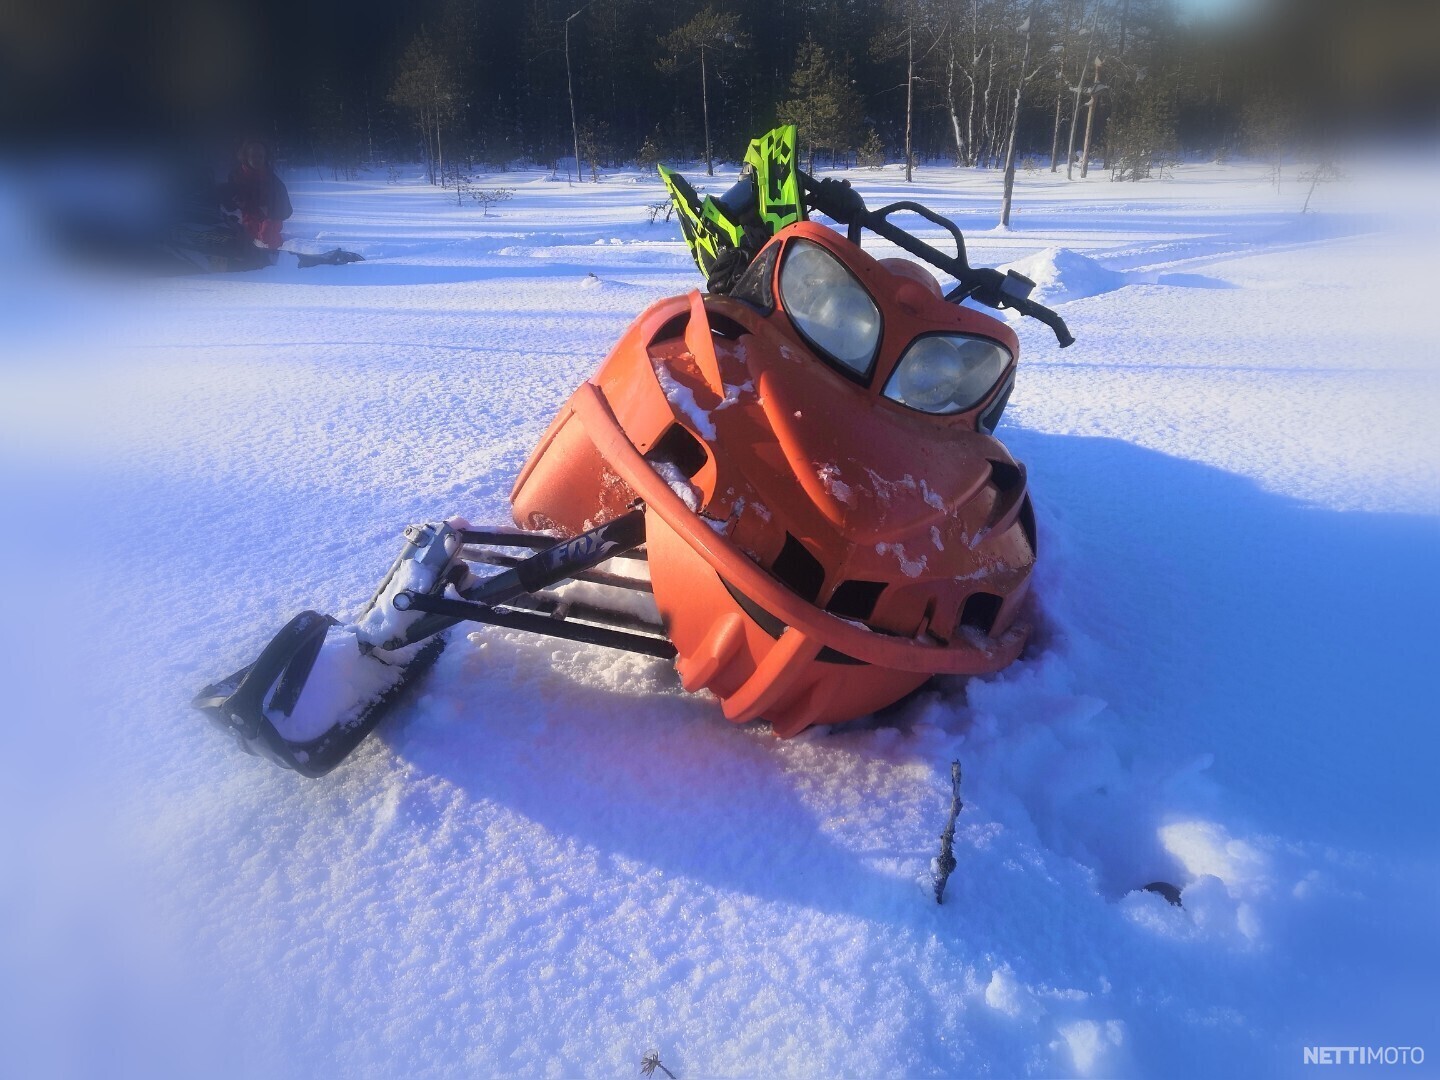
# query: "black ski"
{"points": [[243, 703]]}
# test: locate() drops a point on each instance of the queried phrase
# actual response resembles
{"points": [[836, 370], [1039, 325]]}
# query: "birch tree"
{"points": [[1023, 76]]}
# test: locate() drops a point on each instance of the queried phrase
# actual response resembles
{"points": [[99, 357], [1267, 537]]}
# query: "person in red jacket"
{"points": [[258, 194]]}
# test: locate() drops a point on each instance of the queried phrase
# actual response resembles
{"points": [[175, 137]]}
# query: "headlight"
{"points": [[829, 307], [944, 373]]}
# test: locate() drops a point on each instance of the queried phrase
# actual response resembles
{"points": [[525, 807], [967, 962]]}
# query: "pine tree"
{"points": [[1266, 127], [1141, 135], [915, 30], [822, 105], [871, 154], [649, 155], [426, 86], [706, 32], [334, 140]]}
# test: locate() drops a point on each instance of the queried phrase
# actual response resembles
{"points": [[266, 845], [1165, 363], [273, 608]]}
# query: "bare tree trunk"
{"points": [[425, 131], [970, 126], [570, 88], [1055, 134], [705, 112], [1006, 198], [1079, 88], [909, 99], [1074, 119], [950, 105], [992, 134], [970, 74], [1089, 124], [987, 120]]}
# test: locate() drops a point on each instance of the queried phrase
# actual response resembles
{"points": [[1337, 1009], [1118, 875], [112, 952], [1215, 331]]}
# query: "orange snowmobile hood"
{"points": [[877, 475], [816, 550], [874, 469], [862, 506]]}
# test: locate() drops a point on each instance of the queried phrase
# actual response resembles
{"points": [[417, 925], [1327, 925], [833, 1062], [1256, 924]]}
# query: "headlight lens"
{"points": [[829, 306], [946, 373]]}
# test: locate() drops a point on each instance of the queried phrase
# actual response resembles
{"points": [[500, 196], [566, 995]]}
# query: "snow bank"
{"points": [[1062, 275]]}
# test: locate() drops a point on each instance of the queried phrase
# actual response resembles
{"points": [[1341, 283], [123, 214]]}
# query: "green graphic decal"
{"points": [[706, 228], [772, 156]]}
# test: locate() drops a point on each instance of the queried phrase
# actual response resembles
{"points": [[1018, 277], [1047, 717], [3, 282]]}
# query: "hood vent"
{"points": [[980, 611], [681, 449], [989, 420], [1005, 476], [1027, 522], [672, 330], [722, 326], [855, 599], [799, 570]]}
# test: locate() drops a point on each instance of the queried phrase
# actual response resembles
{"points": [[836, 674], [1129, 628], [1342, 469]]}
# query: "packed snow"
{"points": [[553, 860]]}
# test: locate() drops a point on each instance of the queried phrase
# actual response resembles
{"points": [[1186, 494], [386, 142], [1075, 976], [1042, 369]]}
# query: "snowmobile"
{"points": [[789, 487], [207, 242], [187, 233]]}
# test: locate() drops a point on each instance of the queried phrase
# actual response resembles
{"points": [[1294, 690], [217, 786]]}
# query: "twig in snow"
{"points": [[650, 1062], [941, 868]]}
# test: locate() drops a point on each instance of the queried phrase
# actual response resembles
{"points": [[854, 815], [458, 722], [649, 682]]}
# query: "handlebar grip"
{"points": [[988, 289], [835, 199], [1046, 316]]}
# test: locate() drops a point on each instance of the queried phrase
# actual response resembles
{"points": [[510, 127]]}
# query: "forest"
{"points": [[1127, 85]]}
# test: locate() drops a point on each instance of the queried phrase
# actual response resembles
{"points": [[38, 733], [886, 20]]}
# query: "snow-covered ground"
{"points": [[554, 860]]}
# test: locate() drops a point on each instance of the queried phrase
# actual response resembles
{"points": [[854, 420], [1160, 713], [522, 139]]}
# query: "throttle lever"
{"points": [[1015, 287]]}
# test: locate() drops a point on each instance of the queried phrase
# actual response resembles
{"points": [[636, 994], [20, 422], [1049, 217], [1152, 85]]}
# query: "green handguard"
{"points": [[777, 183], [710, 229], [703, 222]]}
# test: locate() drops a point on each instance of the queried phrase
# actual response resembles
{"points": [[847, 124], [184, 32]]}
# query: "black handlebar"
{"points": [[1045, 315], [945, 223], [838, 200]]}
